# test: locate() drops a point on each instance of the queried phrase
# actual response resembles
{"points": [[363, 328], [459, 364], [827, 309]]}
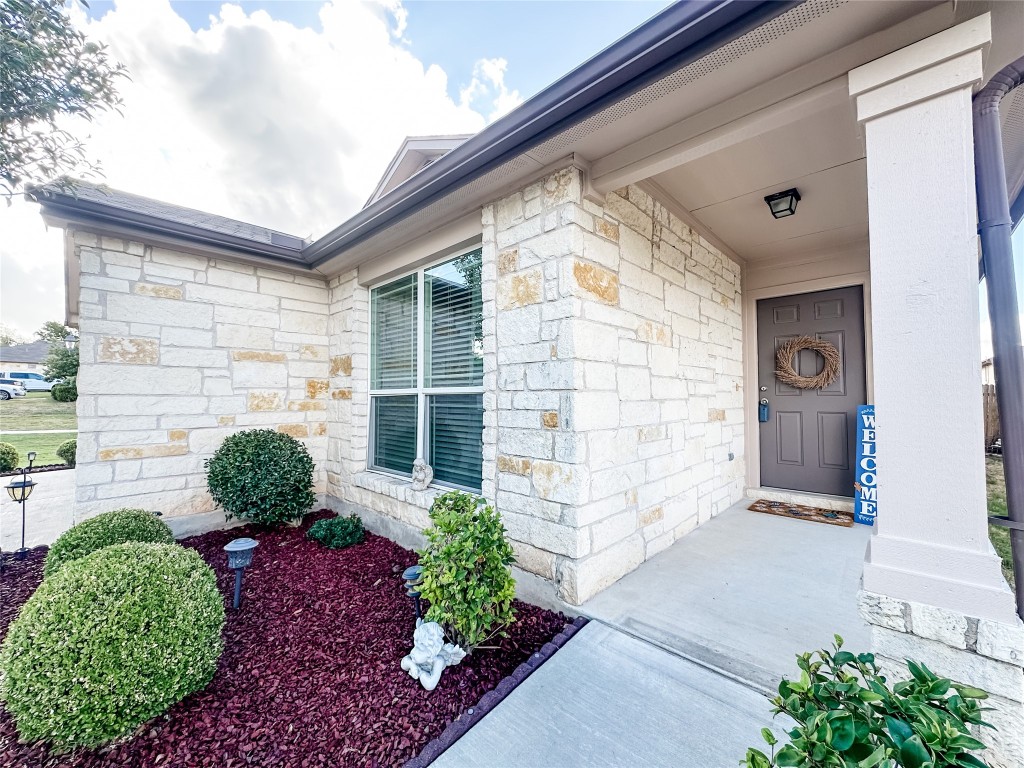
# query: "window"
{"points": [[426, 373]]}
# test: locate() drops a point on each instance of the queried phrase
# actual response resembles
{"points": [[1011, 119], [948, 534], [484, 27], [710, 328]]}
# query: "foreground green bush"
{"points": [[467, 578], [66, 392], [109, 642], [337, 532], [8, 457], [847, 716], [117, 527], [66, 451], [263, 476]]}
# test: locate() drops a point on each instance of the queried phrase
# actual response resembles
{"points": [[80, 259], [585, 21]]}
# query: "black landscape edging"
{"points": [[458, 727], [40, 468]]}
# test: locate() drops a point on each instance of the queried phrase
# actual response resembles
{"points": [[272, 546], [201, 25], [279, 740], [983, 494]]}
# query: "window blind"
{"points": [[393, 422], [454, 313], [456, 439], [393, 331]]}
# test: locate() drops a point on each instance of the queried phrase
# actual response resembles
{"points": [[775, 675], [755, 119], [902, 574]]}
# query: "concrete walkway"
{"points": [[745, 593], [607, 699], [48, 511]]}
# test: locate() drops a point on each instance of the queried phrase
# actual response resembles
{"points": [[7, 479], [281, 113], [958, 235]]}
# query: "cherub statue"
{"points": [[430, 655], [422, 475]]}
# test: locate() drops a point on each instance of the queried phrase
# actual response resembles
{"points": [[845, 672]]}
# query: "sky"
{"points": [[286, 113]]}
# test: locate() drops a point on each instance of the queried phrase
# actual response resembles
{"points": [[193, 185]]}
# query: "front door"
{"points": [[807, 443]]}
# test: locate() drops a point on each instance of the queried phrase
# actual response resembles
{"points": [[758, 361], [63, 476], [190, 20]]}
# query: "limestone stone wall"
{"points": [[618, 382], [179, 351]]}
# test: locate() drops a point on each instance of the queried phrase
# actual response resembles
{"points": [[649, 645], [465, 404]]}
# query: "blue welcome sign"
{"points": [[866, 486]]}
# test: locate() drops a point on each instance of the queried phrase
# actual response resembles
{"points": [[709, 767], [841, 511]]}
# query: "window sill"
{"points": [[397, 488]]}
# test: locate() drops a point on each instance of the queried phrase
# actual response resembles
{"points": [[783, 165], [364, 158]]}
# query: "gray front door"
{"points": [[807, 443]]}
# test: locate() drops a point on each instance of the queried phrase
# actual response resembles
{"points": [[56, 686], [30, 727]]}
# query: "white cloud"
{"points": [[252, 118]]}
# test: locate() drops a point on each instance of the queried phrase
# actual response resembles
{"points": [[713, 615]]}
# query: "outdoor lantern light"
{"points": [[19, 491], [783, 204], [239, 557], [70, 341], [413, 576]]}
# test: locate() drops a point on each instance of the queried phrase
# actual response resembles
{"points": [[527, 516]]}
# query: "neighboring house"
{"points": [[575, 313], [25, 357]]}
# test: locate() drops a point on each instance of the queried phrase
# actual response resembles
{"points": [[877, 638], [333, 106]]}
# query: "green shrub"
{"points": [[66, 392], [467, 577], [109, 642], [8, 457], [117, 527], [66, 451], [263, 476], [847, 715], [337, 532]]}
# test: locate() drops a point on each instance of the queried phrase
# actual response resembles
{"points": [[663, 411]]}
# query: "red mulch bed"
{"points": [[310, 672]]}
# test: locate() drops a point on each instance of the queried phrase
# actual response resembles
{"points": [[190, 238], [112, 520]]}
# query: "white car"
{"points": [[29, 380], [9, 391]]}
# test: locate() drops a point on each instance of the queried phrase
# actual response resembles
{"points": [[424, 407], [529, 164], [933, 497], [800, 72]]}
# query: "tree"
{"points": [[48, 71], [8, 336], [62, 363], [53, 332]]}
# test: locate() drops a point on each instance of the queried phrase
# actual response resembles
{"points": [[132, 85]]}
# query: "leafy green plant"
{"points": [[66, 451], [8, 457], [337, 532], [467, 578], [109, 642], [263, 476], [116, 527], [847, 716], [65, 392]]}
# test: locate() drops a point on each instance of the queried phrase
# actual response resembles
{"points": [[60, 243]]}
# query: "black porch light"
{"points": [[240, 553], [19, 490], [783, 204], [413, 576], [70, 341]]}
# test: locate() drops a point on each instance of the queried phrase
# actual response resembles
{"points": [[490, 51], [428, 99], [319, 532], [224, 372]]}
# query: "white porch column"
{"points": [[932, 588]]}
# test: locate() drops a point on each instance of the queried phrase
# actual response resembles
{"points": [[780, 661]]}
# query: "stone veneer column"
{"points": [[933, 590]]}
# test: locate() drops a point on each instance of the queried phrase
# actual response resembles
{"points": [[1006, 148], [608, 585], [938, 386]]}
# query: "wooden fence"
{"points": [[991, 411]]}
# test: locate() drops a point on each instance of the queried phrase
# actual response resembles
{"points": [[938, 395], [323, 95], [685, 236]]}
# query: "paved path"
{"points": [[607, 699], [48, 511], [36, 431]]}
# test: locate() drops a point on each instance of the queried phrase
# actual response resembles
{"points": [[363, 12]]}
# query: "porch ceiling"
{"points": [[821, 155]]}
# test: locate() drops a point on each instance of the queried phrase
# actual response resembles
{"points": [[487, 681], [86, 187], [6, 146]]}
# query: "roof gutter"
{"points": [[678, 36], [995, 226], [67, 206]]}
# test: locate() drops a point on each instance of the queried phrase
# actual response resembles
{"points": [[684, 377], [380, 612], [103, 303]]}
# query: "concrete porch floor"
{"points": [[744, 593]]}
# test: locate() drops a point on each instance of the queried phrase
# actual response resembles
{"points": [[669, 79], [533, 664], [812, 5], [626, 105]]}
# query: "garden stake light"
{"points": [[413, 576], [19, 491], [239, 557]]}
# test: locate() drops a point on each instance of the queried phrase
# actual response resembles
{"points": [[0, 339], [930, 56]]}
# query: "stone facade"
{"points": [[177, 352], [980, 653], [617, 380]]}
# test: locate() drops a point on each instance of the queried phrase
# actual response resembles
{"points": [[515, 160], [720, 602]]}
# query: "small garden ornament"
{"points": [[430, 655], [422, 475]]}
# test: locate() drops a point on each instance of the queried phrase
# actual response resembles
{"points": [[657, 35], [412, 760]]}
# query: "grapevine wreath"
{"points": [[785, 372]]}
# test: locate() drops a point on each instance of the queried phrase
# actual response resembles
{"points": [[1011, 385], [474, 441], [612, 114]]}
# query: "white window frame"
{"points": [[422, 393]]}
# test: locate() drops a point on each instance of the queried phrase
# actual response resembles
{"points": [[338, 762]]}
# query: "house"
{"points": [[25, 357], [576, 311]]}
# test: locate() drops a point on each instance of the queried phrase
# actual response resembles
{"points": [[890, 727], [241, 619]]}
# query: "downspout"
{"points": [[995, 228]]}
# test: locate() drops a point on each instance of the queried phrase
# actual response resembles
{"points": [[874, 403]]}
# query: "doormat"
{"points": [[800, 512]]}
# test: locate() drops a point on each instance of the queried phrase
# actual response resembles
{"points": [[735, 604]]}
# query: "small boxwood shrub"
{"points": [[109, 642], [467, 575], [847, 714], [66, 392], [66, 451], [116, 527], [337, 532], [8, 457], [263, 476]]}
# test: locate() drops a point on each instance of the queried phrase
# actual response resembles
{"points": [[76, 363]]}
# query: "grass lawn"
{"points": [[45, 447], [37, 410], [997, 506]]}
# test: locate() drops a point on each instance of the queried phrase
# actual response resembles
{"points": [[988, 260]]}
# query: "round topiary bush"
{"points": [[109, 642], [66, 392], [263, 476], [8, 457], [66, 451], [117, 527]]}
